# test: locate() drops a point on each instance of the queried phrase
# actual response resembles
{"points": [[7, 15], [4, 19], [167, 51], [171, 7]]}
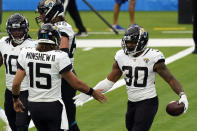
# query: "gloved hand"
{"points": [[184, 100], [81, 99]]}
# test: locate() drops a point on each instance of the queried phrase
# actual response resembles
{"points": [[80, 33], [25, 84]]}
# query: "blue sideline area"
{"points": [[100, 5]]}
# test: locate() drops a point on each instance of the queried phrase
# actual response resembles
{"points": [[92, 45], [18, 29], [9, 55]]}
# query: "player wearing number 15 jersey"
{"points": [[139, 66], [44, 67], [17, 28], [53, 12]]}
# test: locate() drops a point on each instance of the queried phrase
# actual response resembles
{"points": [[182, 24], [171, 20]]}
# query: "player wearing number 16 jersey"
{"points": [[17, 28], [44, 67], [139, 66]]}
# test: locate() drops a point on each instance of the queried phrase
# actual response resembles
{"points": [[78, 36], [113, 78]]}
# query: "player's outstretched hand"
{"points": [[184, 100], [81, 99], [18, 106], [99, 96]]}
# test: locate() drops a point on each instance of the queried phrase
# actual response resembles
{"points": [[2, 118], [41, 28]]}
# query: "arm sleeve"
{"points": [[65, 29], [159, 57], [105, 85]]}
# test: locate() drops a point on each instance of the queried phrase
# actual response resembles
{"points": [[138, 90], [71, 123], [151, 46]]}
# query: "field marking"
{"points": [[104, 43], [87, 48], [169, 60], [177, 32], [169, 28]]}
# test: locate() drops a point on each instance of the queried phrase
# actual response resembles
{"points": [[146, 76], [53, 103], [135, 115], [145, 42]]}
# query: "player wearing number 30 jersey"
{"points": [[139, 66], [139, 73], [10, 46]]}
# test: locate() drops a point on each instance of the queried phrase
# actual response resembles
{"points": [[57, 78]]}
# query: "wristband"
{"points": [[65, 50], [15, 96], [90, 92], [181, 93]]}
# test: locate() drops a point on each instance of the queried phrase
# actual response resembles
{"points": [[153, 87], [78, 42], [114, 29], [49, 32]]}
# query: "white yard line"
{"points": [[87, 48], [178, 32], [102, 43], [106, 33], [105, 43], [169, 60]]}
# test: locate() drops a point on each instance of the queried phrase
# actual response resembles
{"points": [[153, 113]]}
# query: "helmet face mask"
{"points": [[49, 9], [48, 34], [17, 28], [135, 40], [17, 35]]}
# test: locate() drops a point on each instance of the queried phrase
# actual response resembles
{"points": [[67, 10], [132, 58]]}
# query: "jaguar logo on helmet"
{"points": [[50, 3], [50, 9]]}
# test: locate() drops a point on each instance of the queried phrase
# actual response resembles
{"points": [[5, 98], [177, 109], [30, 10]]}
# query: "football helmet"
{"points": [[49, 34], [17, 27], [49, 9], [137, 35]]}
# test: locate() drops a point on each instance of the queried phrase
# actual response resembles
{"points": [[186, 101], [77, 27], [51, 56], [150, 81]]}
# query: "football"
{"points": [[174, 108]]}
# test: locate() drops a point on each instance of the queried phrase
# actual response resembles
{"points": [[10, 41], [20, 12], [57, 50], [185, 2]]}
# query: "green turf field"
{"points": [[93, 66], [154, 22]]}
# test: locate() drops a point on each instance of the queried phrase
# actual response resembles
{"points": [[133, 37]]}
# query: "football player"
{"points": [[53, 12], [139, 66], [17, 27], [44, 67]]}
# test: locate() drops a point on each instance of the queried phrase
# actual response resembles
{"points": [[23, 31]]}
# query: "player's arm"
{"points": [[20, 74], [164, 72], [115, 74], [64, 43], [103, 85], [76, 83], [1, 60], [111, 79]]}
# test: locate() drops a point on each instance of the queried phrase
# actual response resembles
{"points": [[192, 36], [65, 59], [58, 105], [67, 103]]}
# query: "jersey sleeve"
{"points": [[64, 63], [159, 57], [2, 41], [65, 29], [117, 56], [21, 61]]}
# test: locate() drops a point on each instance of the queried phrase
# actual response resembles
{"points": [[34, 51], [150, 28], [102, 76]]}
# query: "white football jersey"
{"points": [[139, 74], [65, 29], [10, 56], [43, 71]]}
